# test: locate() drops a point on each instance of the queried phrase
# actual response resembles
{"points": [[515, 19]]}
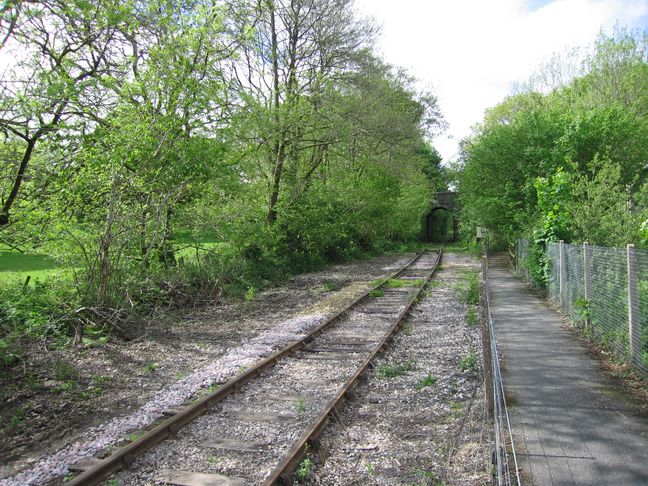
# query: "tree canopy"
{"points": [[160, 148], [567, 163]]}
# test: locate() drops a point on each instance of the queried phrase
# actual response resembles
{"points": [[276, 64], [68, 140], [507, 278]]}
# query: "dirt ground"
{"points": [[58, 394]]}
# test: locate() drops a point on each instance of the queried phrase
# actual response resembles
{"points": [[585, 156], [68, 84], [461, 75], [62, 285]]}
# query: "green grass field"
{"points": [[17, 266], [189, 245], [201, 249]]}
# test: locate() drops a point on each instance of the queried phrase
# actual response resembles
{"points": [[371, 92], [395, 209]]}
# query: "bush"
{"points": [[33, 312]]}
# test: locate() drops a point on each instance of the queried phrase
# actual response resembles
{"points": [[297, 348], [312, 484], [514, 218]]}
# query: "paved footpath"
{"points": [[571, 424]]}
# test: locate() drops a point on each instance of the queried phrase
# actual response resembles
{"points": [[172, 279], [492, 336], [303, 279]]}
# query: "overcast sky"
{"points": [[471, 52]]}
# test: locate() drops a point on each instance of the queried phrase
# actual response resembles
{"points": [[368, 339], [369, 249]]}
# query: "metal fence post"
{"points": [[487, 364], [517, 257], [634, 331], [561, 271], [587, 280]]}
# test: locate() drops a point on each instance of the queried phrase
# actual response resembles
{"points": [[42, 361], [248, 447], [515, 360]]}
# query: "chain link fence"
{"points": [[505, 466], [521, 259], [604, 291], [642, 306]]}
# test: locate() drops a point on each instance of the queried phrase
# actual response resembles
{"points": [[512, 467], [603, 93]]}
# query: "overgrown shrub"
{"points": [[42, 310]]}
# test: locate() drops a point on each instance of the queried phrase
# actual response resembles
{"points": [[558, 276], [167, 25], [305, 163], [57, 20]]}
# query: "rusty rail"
{"points": [[283, 473], [125, 456]]}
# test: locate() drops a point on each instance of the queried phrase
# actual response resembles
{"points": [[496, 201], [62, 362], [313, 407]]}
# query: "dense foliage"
{"points": [[163, 149], [570, 162]]}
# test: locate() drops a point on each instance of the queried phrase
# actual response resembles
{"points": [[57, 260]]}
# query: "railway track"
{"points": [[257, 427]]}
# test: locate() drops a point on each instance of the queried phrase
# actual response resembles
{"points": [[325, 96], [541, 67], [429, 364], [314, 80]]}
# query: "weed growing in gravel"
{"points": [[396, 283], [471, 316], [377, 293], [33, 382], [300, 406], [206, 391], [427, 476], [136, 435], [469, 361], [469, 287], [433, 284], [250, 293], [472, 294], [328, 286], [371, 469], [64, 371], [305, 468], [407, 330], [100, 379], [213, 460], [112, 482], [377, 282], [456, 409], [202, 345], [429, 380], [68, 386], [18, 416], [394, 370], [150, 367], [95, 391]]}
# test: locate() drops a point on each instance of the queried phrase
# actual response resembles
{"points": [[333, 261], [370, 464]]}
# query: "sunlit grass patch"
{"points": [[16, 266]]}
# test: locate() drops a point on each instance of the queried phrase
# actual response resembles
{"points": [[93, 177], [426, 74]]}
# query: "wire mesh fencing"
{"points": [[640, 332], [604, 291], [505, 466], [521, 259]]}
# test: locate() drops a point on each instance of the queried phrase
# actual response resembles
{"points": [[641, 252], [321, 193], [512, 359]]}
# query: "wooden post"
{"points": [[634, 331], [516, 253], [487, 364]]}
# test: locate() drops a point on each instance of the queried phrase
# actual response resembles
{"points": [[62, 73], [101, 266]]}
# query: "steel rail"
{"points": [[283, 472], [126, 455]]}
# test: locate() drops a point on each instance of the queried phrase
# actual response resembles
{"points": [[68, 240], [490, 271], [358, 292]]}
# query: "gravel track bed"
{"points": [[175, 361], [317, 379], [394, 431], [250, 416]]}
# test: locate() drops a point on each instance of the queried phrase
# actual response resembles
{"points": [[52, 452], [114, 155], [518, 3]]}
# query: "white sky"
{"points": [[470, 52]]}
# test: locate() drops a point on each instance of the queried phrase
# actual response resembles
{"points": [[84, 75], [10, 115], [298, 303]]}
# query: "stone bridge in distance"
{"points": [[441, 221]]}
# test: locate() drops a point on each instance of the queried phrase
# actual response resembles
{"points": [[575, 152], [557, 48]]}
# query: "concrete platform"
{"points": [[571, 424]]}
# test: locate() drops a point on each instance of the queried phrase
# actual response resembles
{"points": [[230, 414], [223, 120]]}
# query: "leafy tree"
{"points": [[434, 171], [538, 164], [298, 48], [54, 89], [136, 131], [600, 212]]}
